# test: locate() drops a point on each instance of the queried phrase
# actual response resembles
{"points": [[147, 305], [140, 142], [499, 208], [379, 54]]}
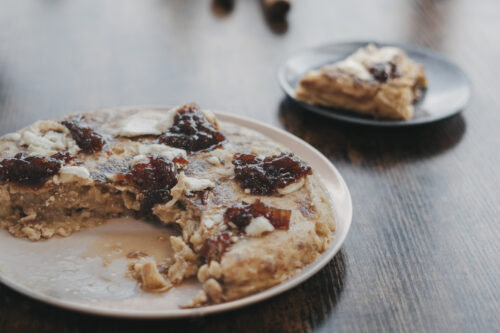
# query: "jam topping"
{"points": [[65, 158], [191, 131], [383, 72], [154, 178], [25, 170], [266, 176], [242, 214], [86, 138], [180, 160], [214, 248]]}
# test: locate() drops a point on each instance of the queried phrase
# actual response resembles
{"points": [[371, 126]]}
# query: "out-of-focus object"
{"points": [[276, 8], [447, 94], [222, 7], [381, 82]]}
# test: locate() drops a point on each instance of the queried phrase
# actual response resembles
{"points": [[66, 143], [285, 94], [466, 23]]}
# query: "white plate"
{"points": [[70, 272]]}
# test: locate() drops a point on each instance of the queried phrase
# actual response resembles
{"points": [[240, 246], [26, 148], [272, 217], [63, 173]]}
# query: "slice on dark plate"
{"points": [[447, 93]]}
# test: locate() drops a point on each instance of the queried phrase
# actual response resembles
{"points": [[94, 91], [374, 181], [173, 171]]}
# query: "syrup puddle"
{"points": [[117, 239]]}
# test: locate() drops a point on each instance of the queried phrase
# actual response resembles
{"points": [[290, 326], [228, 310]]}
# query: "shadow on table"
{"points": [[305, 306], [370, 146]]}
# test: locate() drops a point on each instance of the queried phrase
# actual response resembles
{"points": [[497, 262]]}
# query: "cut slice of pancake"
{"points": [[381, 82]]}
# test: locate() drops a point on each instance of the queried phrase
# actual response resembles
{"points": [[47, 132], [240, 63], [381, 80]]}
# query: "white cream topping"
{"points": [[372, 55], [153, 122], [163, 150], [358, 63], [69, 173], [48, 137], [142, 150], [213, 160], [192, 184], [352, 67], [292, 187], [149, 122], [258, 226], [187, 185]]}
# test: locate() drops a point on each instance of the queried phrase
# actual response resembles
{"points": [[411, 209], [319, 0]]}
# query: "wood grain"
{"points": [[422, 254]]}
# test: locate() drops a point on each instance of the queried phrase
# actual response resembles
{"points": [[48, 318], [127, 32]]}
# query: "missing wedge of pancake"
{"points": [[250, 214]]}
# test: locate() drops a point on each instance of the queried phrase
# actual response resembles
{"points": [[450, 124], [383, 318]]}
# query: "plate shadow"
{"points": [[362, 145]]}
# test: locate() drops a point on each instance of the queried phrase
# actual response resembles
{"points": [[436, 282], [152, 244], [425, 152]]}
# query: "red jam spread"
{"points": [[191, 131], [267, 175], [63, 157], [28, 170], [86, 138], [383, 72], [215, 248], [241, 215], [154, 178]]}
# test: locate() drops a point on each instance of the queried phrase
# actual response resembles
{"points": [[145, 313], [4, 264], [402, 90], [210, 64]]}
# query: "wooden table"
{"points": [[423, 251]]}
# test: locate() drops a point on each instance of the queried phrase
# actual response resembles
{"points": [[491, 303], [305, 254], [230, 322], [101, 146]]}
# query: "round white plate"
{"points": [[448, 91], [85, 272]]}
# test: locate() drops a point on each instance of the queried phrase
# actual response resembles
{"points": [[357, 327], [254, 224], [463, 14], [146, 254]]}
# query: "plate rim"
{"points": [[357, 119], [301, 277]]}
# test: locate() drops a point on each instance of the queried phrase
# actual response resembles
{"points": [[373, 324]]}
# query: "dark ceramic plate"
{"points": [[447, 94]]}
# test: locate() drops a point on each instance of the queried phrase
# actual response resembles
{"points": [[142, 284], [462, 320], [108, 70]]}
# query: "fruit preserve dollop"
{"points": [[191, 131], [242, 214], [86, 138], [28, 170], [267, 175], [64, 157], [154, 177], [214, 248], [383, 72]]}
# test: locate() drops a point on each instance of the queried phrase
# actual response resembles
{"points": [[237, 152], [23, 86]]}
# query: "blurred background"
{"points": [[64, 56]]}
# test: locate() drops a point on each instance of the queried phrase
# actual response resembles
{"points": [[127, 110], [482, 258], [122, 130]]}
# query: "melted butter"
{"points": [[131, 237]]}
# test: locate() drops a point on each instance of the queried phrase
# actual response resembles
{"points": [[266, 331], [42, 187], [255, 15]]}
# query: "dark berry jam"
{"points": [[241, 215], [213, 249], [155, 173], [65, 158], [191, 131], [25, 170], [153, 197], [383, 72], [266, 176], [154, 178], [180, 160], [86, 138]]}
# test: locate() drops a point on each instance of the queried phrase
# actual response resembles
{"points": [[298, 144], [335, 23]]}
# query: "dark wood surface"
{"points": [[423, 251]]}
